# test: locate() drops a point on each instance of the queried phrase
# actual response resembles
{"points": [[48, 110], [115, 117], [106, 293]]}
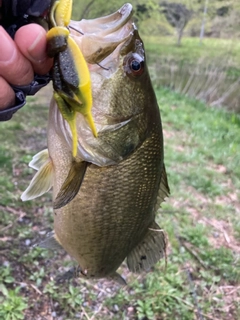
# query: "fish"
{"points": [[105, 199]]}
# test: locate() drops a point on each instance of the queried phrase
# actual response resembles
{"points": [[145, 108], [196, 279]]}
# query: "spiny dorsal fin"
{"points": [[71, 185], [41, 182], [51, 242], [39, 159], [164, 190], [151, 249]]}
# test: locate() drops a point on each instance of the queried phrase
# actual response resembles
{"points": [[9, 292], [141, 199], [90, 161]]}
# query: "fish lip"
{"points": [[104, 25], [98, 38]]}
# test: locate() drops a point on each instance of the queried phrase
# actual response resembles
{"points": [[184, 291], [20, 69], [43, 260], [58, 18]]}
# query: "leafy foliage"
{"points": [[177, 15], [222, 18], [11, 304]]}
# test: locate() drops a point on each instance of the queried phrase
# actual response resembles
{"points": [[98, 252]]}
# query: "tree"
{"points": [[177, 16], [203, 20]]}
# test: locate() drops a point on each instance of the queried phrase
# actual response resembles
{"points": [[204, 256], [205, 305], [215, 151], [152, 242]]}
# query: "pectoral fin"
{"points": [[41, 182], [71, 185], [39, 159], [149, 250]]}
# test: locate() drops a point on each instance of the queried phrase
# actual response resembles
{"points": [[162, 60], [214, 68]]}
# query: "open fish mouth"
{"points": [[98, 38]]}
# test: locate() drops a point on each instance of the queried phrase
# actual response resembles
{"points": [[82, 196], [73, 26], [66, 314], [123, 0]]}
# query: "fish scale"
{"points": [[97, 227]]}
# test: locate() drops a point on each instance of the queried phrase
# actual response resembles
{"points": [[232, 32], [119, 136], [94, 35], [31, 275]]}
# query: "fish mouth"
{"points": [[98, 38]]}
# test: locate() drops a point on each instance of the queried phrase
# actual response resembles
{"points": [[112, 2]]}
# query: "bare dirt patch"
{"points": [[222, 234]]}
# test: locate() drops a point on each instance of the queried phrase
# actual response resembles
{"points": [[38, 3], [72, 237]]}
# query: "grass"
{"points": [[202, 278], [191, 50], [209, 72]]}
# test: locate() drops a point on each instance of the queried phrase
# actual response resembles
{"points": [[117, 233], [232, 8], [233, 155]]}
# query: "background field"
{"points": [[197, 89]]}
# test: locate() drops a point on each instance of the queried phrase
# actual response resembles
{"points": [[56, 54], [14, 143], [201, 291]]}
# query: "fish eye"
{"points": [[134, 65]]}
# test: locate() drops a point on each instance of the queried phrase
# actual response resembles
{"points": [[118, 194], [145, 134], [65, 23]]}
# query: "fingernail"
{"points": [[6, 46], [38, 50]]}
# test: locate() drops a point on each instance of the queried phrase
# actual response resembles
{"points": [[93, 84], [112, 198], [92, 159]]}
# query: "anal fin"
{"points": [[71, 185], [151, 249], [117, 278], [51, 242]]}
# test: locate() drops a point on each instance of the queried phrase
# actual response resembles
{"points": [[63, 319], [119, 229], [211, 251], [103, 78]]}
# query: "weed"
{"points": [[6, 275], [144, 309], [197, 235], [72, 298], [11, 304], [38, 276], [51, 288]]}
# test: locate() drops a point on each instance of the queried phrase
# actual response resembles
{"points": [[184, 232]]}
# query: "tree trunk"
{"points": [[203, 20], [180, 34]]}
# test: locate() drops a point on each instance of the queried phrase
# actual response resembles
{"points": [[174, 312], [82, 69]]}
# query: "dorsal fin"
{"points": [[164, 190], [71, 185]]}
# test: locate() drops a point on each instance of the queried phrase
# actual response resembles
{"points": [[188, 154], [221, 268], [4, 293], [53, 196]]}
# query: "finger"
{"points": [[14, 67], [32, 42], [7, 95]]}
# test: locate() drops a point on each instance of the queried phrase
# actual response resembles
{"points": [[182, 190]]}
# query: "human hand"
{"points": [[20, 58]]}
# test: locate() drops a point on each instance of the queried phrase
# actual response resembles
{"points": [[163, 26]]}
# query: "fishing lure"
{"points": [[71, 76]]}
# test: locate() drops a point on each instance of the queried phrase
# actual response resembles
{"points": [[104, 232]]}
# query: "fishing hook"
{"points": [[75, 29]]}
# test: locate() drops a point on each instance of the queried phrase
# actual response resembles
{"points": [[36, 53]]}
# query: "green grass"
{"points": [[209, 135], [209, 72], [191, 50], [201, 219]]}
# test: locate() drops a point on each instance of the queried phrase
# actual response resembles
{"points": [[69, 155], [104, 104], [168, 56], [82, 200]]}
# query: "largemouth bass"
{"points": [[118, 179]]}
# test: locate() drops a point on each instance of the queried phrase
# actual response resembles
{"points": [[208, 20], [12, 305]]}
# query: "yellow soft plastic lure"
{"points": [[71, 76]]}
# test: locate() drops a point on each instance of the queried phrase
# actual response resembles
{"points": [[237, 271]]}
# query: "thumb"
{"points": [[32, 42]]}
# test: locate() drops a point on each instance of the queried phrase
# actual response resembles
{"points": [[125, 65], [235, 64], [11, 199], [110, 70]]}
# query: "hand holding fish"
{"points": [[20, 58]]}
